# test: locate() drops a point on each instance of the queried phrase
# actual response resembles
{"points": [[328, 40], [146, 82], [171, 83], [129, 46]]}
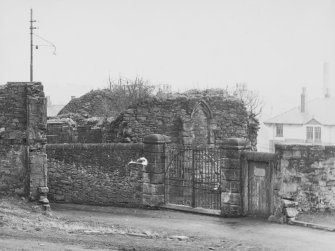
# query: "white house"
{"points": [[312, 122]]}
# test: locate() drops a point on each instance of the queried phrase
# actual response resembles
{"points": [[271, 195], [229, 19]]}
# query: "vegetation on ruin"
{"points": [[125, 92]]}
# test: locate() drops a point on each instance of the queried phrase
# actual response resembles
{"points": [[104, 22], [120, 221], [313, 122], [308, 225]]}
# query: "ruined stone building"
{"points": [[199, 120]]}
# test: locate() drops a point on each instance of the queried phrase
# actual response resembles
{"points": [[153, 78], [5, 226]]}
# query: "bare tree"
{"points": [[126, 92], [250, 99], [254, 105]]}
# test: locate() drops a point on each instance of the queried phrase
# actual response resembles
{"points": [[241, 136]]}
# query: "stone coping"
{"points": [[116, 146], [234, 143], [156, 139], [258, 156]]}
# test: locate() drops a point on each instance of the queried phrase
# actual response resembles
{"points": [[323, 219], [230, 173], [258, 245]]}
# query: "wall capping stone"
{"points": [[234, 143], [258, 156], [156, 139]]}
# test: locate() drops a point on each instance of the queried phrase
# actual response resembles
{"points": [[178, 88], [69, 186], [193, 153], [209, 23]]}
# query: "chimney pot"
{"points": [[303, 100], [326, 80]]}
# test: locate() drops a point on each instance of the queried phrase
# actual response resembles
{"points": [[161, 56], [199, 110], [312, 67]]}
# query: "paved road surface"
{"points": [[241, 231]]}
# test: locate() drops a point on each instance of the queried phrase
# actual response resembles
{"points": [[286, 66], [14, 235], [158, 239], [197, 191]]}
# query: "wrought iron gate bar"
{"points": [[193, 177]]}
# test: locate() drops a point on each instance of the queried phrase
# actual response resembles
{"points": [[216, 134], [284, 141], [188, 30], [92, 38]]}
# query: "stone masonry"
{"points": [[22, 139], [199, 120], [155, 151], [231, 172], [100, 174], [306, 174], [95, 173]]}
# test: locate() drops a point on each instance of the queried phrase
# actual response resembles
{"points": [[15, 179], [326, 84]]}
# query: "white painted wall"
{"points": [[296, 134]]}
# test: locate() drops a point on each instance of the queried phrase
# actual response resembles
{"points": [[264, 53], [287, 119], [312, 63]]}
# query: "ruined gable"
{"points": [[193, 120]]}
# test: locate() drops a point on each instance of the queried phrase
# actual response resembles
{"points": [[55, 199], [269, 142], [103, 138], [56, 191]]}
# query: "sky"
{"points": [[274, 46]]}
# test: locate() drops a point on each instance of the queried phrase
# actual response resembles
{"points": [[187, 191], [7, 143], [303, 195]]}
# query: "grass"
{"points": [[326, 218]]}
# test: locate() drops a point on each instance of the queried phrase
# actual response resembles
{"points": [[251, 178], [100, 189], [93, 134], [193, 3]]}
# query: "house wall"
{"points": [[294, 132], [297, 134], [328, 134]]}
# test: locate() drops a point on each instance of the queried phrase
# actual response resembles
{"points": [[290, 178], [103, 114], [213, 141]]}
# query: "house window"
{"points": [[317, 134], [279, 130], [309, 134], [313, 134]]}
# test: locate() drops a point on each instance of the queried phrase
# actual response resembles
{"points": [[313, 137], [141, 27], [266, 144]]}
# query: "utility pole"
{"points": [[31, 43]]}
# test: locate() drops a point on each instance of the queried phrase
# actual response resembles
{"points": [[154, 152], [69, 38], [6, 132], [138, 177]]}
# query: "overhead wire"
{"points": [[45, 40]]}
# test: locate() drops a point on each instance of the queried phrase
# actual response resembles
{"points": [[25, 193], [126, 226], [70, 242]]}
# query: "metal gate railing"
{"points": [[193, 177]]}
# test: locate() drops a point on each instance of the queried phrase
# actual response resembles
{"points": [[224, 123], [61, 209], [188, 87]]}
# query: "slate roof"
{"points": [[53, 110], [321, 110]]}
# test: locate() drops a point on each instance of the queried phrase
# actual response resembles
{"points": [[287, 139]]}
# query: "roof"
{"points": [[53, 110], [319, 110]]}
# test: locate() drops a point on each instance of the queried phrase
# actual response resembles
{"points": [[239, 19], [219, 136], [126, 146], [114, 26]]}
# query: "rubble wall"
{"points": [[96, 174], [13, 121], [200, 120], [22, 138], [306, 174]]}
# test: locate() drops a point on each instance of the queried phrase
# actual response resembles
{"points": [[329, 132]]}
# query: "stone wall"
{"points": [[87, 134], [95, 173], [13, 155], [99, 173], [200, 120], [22, 139], [231, 176], [61, 132], [66, 130], [306, 174]]}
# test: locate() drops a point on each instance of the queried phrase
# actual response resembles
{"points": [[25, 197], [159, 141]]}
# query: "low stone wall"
{"points": [[306, 174], [95, 173], [99, 173]]}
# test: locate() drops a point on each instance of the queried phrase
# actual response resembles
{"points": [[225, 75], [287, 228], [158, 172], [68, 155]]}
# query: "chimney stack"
{"points": [[326, 80], [48, 101], [303, 100]]}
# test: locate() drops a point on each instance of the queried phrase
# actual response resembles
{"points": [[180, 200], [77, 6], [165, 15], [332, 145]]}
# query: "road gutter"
{"points": [[311, 225], [198, 210]]}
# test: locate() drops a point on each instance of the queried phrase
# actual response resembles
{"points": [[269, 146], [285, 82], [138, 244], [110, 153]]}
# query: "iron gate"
{"points": [[193, 177]]}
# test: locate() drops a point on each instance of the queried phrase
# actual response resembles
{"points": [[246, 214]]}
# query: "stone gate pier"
{"points": [[23, 159]]}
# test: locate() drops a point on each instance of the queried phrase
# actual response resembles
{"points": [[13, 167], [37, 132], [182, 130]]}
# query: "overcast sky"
{"points": [[275, 46]]}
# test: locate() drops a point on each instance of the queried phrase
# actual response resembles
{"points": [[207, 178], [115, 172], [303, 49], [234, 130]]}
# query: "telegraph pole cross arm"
{"points": [[31, 43]]}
